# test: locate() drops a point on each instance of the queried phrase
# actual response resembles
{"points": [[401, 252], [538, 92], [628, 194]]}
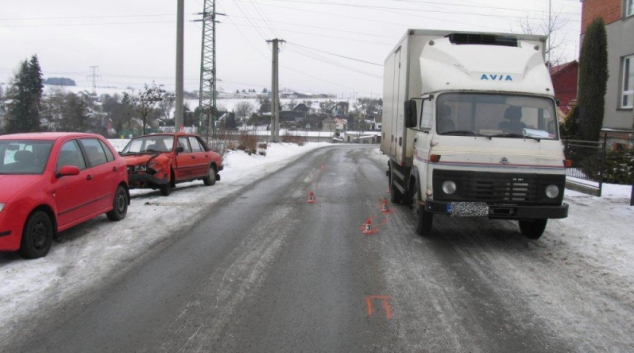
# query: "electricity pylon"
{"points": [[207, 90]]}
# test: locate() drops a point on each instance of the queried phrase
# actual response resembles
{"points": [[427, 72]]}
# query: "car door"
{"points": [[202, 159], [186, 160], [73, 194], [103, 171]]}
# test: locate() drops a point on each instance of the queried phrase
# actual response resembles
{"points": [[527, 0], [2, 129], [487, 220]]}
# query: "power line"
{"points": [[305, 53], [324, 36], [384, 8], [341, 56]]}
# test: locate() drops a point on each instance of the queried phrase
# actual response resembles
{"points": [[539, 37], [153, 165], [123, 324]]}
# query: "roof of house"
{"points": [[559, 68]]}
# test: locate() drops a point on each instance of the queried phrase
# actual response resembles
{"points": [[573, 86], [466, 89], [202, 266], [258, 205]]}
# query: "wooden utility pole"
{"points": [[180, 29], [275, 108]]}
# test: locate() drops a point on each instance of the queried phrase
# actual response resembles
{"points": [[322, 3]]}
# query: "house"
{"points": [[328, 125], [564, 79], [301, 107], [618, 16], [340, 124], [315, 108]]}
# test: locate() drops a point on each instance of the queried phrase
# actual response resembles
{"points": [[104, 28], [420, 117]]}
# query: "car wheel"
{"points": [[210, 178], [533, 229], [424, 218], [37, 236], [119, 205], [165, 189]]}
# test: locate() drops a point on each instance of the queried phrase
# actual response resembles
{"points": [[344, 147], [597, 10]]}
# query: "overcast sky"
{"points": [[133, 41]]}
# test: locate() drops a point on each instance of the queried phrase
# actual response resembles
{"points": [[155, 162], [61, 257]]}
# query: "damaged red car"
{"points": [[161, 161]]}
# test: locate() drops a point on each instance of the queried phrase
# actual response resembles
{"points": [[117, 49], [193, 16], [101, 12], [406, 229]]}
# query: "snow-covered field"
{"points": [[596, 241]]}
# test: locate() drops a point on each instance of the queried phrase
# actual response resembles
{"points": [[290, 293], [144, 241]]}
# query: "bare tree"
{"points": [[243, 110], [166, 105], [555, 47], [146, 100]]}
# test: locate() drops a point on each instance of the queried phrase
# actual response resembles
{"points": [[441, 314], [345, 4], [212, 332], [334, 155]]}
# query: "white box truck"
{"points": [[470, 127]]}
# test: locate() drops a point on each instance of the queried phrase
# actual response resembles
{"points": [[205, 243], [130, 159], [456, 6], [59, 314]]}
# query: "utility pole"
{"points": [[207, 91], [180, 41], [275, 108], [550, 29], [93, 77]]}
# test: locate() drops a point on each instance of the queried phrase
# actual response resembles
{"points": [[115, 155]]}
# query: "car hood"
{"points": [[14, 184], [138, 159]]}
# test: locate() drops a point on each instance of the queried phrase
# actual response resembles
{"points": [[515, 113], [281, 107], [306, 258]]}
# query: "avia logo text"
{"points": [[492, 77]]}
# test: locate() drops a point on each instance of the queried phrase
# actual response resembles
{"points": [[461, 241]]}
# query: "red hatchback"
{"points": [[53, 181]]}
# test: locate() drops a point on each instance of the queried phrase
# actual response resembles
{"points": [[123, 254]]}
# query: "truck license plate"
{"points": [[468, 209]]}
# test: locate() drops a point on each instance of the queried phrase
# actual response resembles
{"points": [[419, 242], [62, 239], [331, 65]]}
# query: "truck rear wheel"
{"points": [[424, 218], [533, 229]]}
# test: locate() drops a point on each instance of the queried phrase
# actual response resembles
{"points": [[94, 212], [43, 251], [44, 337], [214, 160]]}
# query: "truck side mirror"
{"points": [[411, 116]]}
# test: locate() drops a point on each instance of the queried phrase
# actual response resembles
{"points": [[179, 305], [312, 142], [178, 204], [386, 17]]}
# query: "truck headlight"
{"points": [[140, 168], [449, 187], [1, 207], [552, 191]]}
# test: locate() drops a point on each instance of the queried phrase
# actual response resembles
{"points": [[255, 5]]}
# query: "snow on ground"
{"points": [[99, 248], [596, 241]]}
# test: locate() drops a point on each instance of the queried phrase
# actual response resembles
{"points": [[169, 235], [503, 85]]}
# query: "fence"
{"points": [[588, 161]]}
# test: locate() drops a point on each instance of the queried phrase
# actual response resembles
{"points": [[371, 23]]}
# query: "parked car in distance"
{"points": [[161, 161], [54, 181]]}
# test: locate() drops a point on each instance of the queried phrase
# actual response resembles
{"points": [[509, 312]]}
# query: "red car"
{"points": [[53, 181], [161, 161]]}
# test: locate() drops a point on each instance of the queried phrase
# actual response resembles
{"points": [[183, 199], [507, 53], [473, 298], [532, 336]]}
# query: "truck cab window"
{"points": [[427, 115]]}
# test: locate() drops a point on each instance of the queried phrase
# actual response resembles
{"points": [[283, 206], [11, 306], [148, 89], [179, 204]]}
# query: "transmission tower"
{"points": [[207, 91], [93, 77]]}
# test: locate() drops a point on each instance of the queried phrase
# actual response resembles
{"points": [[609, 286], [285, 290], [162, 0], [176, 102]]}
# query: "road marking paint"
{"points": [[386, 304]]}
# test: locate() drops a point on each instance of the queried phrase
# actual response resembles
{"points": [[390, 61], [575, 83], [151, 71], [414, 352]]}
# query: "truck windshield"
{"points": [[496, 115]]}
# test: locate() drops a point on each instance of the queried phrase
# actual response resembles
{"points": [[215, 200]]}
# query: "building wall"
{"points": [[620, 44], [565, 84], [610, 10]]}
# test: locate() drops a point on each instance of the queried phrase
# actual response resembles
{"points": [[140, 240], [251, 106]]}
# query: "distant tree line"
{"points": [[59, 81]]}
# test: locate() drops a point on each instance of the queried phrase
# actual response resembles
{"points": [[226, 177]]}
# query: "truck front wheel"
{"points": [[424, 218], [533, 229]]}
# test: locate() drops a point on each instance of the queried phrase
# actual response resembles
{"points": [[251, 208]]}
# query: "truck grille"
{"points": [[514, 188]]}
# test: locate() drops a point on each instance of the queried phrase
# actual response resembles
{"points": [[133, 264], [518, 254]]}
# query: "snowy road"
{"points": [[265, 271]]}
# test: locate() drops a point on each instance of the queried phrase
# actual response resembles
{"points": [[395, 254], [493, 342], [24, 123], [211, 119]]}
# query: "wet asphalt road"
{"points": [[265, 271]]}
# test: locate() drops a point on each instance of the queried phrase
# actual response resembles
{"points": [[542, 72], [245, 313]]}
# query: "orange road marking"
{"points": [[386, 304]]}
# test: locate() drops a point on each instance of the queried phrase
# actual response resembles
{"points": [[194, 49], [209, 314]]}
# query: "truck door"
{"points": [[395, 149], [422, 141]]}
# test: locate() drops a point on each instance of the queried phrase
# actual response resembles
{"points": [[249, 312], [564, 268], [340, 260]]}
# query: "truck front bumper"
{"points": [[497, 211]]}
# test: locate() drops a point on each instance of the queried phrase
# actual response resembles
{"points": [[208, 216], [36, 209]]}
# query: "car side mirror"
{"points": [[411, 118], [68, 170], [180, 149]]}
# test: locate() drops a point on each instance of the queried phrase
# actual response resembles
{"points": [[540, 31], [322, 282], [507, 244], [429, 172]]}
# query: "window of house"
{"points": [[629, 8], [627, 97]]}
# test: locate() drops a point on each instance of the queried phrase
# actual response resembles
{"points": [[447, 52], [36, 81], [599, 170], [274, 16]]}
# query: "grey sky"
{"points": [[133, 41]]}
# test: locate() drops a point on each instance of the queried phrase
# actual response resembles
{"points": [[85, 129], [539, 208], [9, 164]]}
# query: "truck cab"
{"points": [[471, 129]]}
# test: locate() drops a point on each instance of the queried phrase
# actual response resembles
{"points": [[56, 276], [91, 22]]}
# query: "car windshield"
{"points": [[496, 115], [158, 143], [24, 156]]}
